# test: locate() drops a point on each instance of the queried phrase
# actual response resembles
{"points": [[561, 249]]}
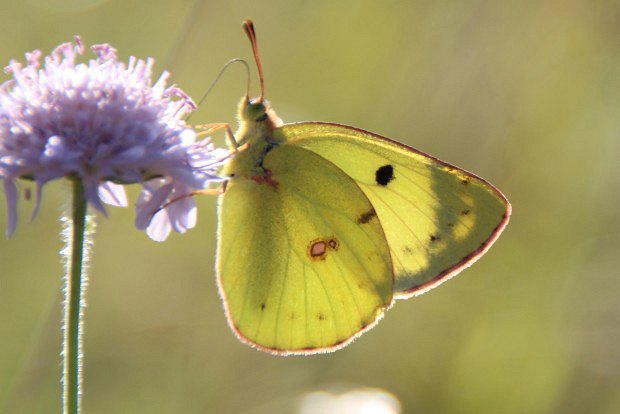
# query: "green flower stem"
{"points": [[75, 286]]}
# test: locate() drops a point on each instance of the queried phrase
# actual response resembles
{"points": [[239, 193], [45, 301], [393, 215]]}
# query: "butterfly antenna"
{"points": [[248, 27], [219, 75]]}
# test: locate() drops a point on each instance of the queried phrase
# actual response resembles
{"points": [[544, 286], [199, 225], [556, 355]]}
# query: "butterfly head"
{"points": [[256, 121], [256, 111], [253, 109]]}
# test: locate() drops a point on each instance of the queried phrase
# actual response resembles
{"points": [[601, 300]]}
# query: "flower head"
{"points": [[105, 123]]}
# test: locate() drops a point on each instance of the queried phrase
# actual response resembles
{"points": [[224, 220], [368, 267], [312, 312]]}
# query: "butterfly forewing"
{"points": [[436, 217], [302, 265]]}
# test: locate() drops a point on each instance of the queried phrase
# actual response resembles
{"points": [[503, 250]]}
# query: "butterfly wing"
{"points": [[437, 218], [298, 270]]}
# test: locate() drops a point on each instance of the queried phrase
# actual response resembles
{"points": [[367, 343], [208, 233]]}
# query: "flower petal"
{"points": [[91, 192], [112, 194], [183, 213], [151, 200], [159, 228], [166, 205], [37, 202]]}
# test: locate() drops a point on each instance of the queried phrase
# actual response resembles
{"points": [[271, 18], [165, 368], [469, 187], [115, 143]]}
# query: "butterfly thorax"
{"points": [[254, 139]]}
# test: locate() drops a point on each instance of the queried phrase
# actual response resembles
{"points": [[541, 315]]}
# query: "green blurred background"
{"points": [[523, 93]]}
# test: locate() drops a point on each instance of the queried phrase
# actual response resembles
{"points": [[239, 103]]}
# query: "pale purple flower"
{"points": [[103, 122]]}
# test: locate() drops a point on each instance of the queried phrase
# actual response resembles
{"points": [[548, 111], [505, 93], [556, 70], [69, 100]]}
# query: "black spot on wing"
{"points": [[367, 216], [384, 175]]}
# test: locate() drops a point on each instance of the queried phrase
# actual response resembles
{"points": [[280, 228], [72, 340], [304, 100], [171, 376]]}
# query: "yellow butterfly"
{"points": [[322, 226]]}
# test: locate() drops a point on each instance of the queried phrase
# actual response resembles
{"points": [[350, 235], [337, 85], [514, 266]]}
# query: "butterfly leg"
{"points": [[205, 191], [208, 129], [209, 191]]}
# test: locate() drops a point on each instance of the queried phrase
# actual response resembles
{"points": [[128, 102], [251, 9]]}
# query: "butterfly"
{"points": [[322, 226]]}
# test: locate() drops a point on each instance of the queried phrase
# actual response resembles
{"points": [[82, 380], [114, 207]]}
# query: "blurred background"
{"points": [[524, 93]]}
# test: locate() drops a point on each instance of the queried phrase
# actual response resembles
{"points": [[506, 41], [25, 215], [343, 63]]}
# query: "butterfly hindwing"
{"points": [[302, 265], [437, 218]]}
